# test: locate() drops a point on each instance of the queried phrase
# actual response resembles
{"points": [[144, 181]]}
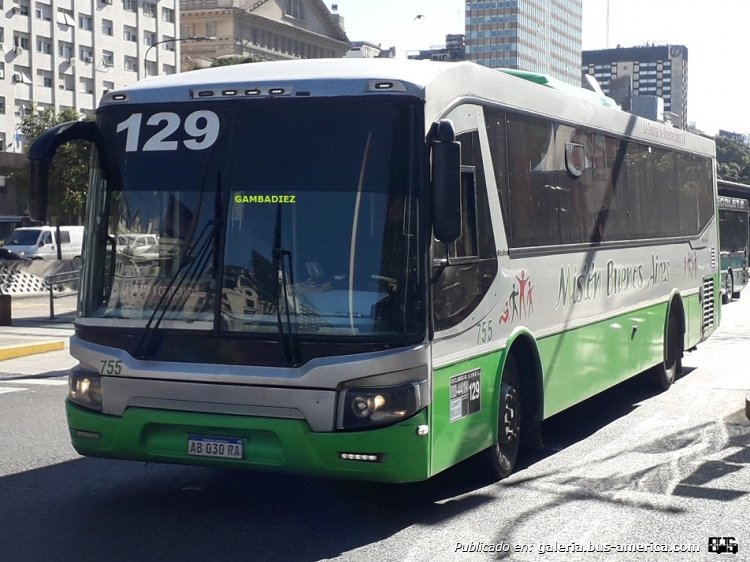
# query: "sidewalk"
{"points": [[32, 331]]}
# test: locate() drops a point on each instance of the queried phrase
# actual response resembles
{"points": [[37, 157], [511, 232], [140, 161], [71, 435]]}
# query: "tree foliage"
{"points": [[234, 59], [733, 159], [68, 175]]}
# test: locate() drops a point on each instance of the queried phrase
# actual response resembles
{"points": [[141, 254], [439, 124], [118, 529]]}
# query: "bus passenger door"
{"points": [[463, 317]]}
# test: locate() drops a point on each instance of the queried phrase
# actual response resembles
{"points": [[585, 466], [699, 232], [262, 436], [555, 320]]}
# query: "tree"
{"points": [[68, 177], [733, 159], [228, 60]]}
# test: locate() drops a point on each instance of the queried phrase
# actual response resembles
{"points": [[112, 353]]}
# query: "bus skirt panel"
{"points": [[391, 454]]}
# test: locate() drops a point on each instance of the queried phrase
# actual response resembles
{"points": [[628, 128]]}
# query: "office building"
{"points": [[366, 50], [535, 35], [453, 51], [731, 135], [264, 30], [67, 53], [625, 73]]}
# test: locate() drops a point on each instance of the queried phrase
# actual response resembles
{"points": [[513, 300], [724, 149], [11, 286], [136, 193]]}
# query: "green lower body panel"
{"points": [[279, 445], [576, 364], [464, 409], [581, 363]]}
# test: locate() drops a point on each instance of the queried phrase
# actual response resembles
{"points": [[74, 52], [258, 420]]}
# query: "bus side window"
{"points": [[575, 183], [466, 246], [533, 200]]}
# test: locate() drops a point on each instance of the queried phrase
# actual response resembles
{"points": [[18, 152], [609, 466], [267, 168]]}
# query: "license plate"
{"points": [[223, 447]]}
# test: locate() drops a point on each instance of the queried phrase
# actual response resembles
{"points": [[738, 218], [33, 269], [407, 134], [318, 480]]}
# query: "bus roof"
{"points": [[319, 77], [544, 80], [441, 85]]}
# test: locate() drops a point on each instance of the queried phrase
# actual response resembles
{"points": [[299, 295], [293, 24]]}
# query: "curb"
{"points": [[13, 351]]}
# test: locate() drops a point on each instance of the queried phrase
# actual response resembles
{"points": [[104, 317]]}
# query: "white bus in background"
{"points": [[734, 232], [378, 268]]}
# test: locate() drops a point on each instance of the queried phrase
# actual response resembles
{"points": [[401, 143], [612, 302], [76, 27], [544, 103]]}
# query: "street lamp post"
{"points": [[173, 40]]}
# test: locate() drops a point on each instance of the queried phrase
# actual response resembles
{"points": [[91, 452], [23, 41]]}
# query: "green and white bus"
{"points": [[733, 246], [374, 269]]}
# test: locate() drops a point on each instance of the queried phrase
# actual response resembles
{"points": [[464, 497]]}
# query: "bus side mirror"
{"points": [[446, 183], [41, 153]]}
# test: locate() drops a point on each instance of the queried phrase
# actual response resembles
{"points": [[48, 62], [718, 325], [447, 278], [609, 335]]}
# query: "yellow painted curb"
{"points": [[12, 351]]}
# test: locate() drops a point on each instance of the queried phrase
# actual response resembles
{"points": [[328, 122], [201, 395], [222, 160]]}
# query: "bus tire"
{"points": [[664, 374], [726, 298], [504, 452]]}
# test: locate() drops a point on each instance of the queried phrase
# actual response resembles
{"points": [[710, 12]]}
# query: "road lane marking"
{"points": [[7, 390], [38, 382]]}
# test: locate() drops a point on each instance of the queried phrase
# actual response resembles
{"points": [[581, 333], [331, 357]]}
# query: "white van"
{"points": [[40, 242]]}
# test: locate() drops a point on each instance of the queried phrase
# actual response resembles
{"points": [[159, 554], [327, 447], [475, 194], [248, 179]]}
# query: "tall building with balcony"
{"points": [[264, 29], [627, 73], [67, 53], [535, 35]]}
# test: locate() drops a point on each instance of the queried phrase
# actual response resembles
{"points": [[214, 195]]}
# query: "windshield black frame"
{"points": [[313, 136]]}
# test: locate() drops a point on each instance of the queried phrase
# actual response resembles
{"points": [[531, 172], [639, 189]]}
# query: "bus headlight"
{"points": [[85, 389], [376, 406]]}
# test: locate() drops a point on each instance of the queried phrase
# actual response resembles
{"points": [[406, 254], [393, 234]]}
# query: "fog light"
{"points": [[361, 457], [87, 434]]}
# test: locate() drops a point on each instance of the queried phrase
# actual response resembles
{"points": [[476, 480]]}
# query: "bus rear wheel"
{"points": [[726, 298], [735, 294], [504, 452], [664, 374]]}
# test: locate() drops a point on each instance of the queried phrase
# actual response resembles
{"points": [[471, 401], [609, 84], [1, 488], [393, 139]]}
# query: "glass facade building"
{"points": [[536, 35]]}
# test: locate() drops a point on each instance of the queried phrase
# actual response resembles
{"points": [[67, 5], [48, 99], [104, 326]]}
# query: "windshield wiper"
{"points": [[206, 241], [288, 342], [193, 270]]}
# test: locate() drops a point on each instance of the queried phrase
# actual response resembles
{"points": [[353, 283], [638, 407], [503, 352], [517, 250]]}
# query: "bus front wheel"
{"points": [[503, 453]]}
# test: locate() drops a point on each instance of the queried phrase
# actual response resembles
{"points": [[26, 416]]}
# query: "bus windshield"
{"points": [[297, 216], [733, 226]]}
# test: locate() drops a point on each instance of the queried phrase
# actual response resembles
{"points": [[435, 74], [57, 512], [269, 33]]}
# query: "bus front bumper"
{"points": [[391, 454]]}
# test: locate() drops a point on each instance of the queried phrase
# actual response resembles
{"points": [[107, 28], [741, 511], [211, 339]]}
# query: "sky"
{"points": [[716, 41]]}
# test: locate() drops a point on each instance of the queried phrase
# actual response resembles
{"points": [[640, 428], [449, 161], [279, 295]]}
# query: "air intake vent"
{"points": [[713, 257], [707, 303]]}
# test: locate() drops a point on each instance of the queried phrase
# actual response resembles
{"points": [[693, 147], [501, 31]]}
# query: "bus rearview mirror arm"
{"points": [[38, 189], [446, 182], [42, 151]]}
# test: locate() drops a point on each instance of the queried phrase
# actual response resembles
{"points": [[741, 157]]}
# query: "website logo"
{"points": [[719, 545]]}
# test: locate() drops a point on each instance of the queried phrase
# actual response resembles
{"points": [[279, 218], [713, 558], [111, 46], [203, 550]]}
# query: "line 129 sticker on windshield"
{"points": [[465, 395]]}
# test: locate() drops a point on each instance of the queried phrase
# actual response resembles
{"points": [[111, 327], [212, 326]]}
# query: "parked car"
{"points": [[40, 242], [6, 254], [139, 246]]}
